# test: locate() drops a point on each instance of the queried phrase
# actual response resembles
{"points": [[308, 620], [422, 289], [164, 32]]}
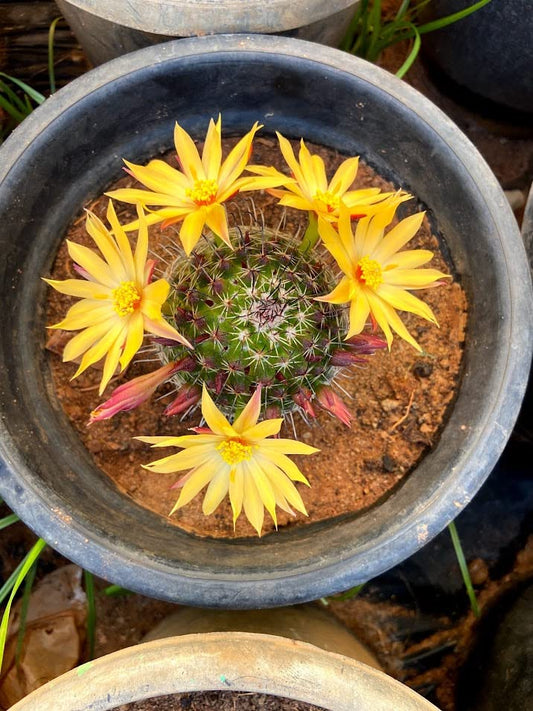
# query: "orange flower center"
{"points": [[233, 451], [368, 271], [126, 298], [204, 192], [329, 202]]}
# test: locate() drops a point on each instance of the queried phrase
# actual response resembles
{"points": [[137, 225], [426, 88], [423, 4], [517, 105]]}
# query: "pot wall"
{"points": [[109, 28], [70, 149]]}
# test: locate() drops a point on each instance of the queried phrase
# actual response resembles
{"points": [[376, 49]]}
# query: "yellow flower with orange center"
{"points": [[378, 277], [310, 190], [238, 459], [119, 301], [195, 195]]}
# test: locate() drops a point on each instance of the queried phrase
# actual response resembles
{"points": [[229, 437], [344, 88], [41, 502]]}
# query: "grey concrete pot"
{"points": [[70, 149], [108, 28]]}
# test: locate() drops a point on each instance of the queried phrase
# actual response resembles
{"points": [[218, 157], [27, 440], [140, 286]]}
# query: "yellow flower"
{"points": [[377, 274], [118, 302], [238, 459], [310, 190], [196, 193]]}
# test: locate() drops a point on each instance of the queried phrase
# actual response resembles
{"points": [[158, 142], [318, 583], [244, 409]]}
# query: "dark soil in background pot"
{"points": [[219, 701], [399, 399]]}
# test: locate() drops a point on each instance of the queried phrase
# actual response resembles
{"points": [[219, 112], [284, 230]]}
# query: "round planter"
{"points": [[70, 149], [306, 623], [108, 28], [490, 53], [226, 661]]}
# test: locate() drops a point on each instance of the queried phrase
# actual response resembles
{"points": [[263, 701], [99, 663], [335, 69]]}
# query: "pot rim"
{"points": [[186, 17], [314, 578], [225, 661]]}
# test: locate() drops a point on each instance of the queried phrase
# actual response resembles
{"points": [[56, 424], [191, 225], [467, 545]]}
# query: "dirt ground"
{"points": [[415, 618]]}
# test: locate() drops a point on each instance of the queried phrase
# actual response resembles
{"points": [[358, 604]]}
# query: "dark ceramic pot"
{"points": [[70, 150], [489, 53]]}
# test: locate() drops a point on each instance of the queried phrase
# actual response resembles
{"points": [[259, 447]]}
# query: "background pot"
{"points": [[489, 52], [70, 149], [238, 661], [108, 28]]}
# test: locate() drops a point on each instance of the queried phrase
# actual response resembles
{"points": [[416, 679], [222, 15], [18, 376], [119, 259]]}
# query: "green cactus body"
{"points": [[252, 317]]}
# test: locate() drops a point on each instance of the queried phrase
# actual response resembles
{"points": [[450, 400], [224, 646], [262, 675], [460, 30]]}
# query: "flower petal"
{"points": [[264, 429], [212, 153], [286, 446], [134, 327], [92, 264], [359, 312], [396, 238], [236, 492], [188, 155], [400, 299], [195, 482], [191, 229], [79, 288], [344, 176], [217, 221], [216, 491], [249, 416], [186, 459], [253, 505], [237, 159], [160, 177], [216, 421]]}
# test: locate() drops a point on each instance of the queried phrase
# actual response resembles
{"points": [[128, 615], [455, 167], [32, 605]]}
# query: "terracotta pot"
{"points": [[69, 150], [237, 661], [108, 28]]}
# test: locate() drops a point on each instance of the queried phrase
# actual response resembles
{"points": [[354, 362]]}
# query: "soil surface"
{"points": [[218, 701], [399, 399]]}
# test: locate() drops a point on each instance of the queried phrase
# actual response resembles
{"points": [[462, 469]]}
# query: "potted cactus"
{"points": [[57, 488]]}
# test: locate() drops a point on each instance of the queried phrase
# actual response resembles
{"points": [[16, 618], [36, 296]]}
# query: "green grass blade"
{"points": [[402, 10], [116, 590], [349, 37], [450, 19], [8, 520], [91, 612], [464, 569], [28, 585], [32, 93], [51, 71], [402, 71], [23, 570]]}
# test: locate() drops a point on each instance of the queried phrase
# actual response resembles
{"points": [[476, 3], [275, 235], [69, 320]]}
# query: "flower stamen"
{"points": [[203, 193], [126, 298], [233, 451], [329, 201], [368, 272]]}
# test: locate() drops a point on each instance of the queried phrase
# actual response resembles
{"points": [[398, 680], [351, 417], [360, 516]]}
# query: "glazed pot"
{"points": [[489, 53], [225, 661], [69, 151], [108, 28]]}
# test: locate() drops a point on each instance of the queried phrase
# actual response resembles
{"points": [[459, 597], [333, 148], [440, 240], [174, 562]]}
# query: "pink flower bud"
{"points": [[303, 400], [133, 393], [366, 344], [331, 402], [188, 395]]}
